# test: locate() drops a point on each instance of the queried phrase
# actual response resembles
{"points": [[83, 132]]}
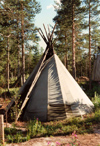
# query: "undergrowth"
{"points": [[64, 127]]}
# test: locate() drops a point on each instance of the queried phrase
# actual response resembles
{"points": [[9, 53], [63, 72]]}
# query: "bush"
{"points": [[12, 135], [35, 128], [96, 101], [2, 81]]}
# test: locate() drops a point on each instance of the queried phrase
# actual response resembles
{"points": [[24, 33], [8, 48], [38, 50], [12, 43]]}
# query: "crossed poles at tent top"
{"points": [[49, 35]]}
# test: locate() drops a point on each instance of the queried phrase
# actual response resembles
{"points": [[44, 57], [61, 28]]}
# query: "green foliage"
{"points": [[65, 20], [94, 22], [93, 91], [2, 63], [95, 117], [68, 129], [35, 128], [16, 108], [2, 81], [65, 127], [12, 135], [32, 59], [2, 144], [11, 13], [96, 101]]}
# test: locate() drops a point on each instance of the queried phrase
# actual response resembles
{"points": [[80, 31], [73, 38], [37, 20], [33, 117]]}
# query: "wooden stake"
{"points": [[6, 119], [2, 129]]}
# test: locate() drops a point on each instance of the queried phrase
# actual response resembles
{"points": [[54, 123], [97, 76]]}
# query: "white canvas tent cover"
{"points": [[56, 94], [50, 92], [96, 68]]}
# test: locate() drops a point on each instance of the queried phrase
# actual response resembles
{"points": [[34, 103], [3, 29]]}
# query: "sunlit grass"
{"points": [[64, 127]]}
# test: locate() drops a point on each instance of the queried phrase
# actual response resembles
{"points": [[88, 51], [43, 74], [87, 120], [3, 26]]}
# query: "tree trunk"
{"points": [[95, 48], [66, 60], [23, 49], [66, 55], [18, 62], [81, 71], [89, 48], [86, 70], [73, 42], [8, 63], [18, 70]]}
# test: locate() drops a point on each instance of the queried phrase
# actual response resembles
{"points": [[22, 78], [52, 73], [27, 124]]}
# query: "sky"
{"points": [[45, 16]]}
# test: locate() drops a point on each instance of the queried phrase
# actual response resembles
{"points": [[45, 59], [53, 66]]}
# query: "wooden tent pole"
{"points": [[43, 36], [49, 43], [49, 33], [45, 31], [32, 85], [52, 32]]}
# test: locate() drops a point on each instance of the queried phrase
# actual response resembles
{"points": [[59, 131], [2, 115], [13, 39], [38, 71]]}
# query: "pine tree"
{"points": [[2, 63], [91, 11], [5, 32], [17, 20], [69, 18]]}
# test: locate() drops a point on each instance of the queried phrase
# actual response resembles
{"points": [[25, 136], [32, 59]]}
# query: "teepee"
{"points": [[50, 92], [96, 68]]}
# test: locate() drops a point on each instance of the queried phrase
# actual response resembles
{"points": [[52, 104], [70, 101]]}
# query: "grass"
{"points": [[90, 92], [11, 90], [64, 127], [12, 135]]}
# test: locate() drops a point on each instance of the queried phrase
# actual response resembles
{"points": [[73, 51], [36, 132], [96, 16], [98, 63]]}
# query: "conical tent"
{"points": [[56, 95], [50, 92], [96, 68]]}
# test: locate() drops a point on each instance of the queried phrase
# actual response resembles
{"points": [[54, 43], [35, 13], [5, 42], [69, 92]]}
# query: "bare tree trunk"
{"points": [[23, 49], [66, 55], [66, 60], [86, 69], [18, 72], [73, 42], [95, 48], [89, 48], [18, 62], [81, 70], [8, 63]]}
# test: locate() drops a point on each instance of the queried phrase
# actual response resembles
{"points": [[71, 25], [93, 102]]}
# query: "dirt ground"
{"points": [[84, 140]]}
